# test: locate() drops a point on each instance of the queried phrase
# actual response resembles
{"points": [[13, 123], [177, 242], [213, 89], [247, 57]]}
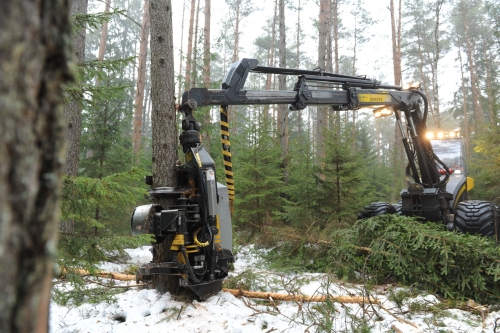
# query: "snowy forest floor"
{"points": [[145, 310]]}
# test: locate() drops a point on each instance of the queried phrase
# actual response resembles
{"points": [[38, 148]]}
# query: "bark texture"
{"points": [[322, 116], [73, 108], [189, 54], [141, 80], [399, 154], [206, 71], [34, 51], [163, 119], [283, 109]]}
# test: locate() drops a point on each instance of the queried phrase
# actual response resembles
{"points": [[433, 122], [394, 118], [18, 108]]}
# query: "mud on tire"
{"points": [[477, 217]]}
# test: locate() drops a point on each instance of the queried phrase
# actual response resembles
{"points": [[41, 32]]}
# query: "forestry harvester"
{"points": [[198, 226]]}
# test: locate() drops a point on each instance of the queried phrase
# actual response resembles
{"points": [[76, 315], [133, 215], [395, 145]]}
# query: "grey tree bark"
{"points": [[163, 120], [34, 55]]}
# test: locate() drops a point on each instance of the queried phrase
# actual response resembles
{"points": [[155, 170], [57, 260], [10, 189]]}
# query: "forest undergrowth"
{"points": [[392, 249]]}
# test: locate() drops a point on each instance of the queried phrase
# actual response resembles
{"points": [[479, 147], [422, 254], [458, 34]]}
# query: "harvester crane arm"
{"points": [[342, 92]]}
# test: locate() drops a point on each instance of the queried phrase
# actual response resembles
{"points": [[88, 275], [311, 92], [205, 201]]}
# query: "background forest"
{"points": [[277, 153]]}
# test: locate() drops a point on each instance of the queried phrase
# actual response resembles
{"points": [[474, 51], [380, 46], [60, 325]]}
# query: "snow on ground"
{"points": [[146, 310]]}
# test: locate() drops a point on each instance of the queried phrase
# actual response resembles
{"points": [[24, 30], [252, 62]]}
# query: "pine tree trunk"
{"points": [[195, 48], [181, 86], [283, 109], [435, 60], [297, 65], [73, 112], [271, 56], [34, 54], [472, 70], [489, 79], [322, 116], [104, 33], [398, 157], [189, 54], [141, 80], [206, 71], [163, 120], [206, 45], [232, 109], [464, 101], [73, 108], [334, 9]]}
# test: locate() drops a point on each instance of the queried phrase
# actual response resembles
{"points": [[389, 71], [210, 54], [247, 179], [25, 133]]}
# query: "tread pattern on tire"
{"points": [[377, 208], [397, 206], [477, 217]]}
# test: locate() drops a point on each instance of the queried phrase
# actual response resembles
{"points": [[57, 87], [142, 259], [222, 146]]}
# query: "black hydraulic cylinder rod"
{"points": [[409, 152]]}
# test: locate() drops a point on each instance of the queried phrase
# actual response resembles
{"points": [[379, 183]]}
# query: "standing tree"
{"points": [[283, 109], [163, 121], [141, 80], [34, 52], [322, 117], [398, 157], [73, 108]]}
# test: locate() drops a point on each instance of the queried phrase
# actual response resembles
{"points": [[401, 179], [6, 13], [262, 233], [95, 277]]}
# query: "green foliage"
{"points": [[486, 165], [258, 175], [115, 195], [385, 247], [343, 187]]}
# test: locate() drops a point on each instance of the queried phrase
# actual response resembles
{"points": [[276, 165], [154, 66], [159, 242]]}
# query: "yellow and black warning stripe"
{"points": [[226, 152]]}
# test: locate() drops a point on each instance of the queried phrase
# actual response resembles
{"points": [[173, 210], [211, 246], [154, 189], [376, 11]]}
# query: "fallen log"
{"points": [[103, 274], [301, 298]]}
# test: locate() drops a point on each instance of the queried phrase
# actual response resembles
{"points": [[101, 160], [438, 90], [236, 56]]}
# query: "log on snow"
{"points": [[107, 275], [302, 298]]}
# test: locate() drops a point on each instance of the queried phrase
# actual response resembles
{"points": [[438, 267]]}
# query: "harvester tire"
{"points": [[477, 217], [398, 208], [375, 209]]}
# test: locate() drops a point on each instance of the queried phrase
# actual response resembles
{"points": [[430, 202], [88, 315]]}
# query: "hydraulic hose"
{"points": [[226, 152], [426, 104]]}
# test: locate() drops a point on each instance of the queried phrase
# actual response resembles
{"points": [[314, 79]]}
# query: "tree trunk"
{"points": [[141, 80], [398, 157], [334, 9], [271, 56], [181, 86], [464, 101], [189, 54], [104, 33], [232, 109], [297, 65], [472, 70], [283, 109], [73, 108], [435, 60], [163, 120], [322, 117], [207, 119], [206, 45], [34, 54], [195, 47]]}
